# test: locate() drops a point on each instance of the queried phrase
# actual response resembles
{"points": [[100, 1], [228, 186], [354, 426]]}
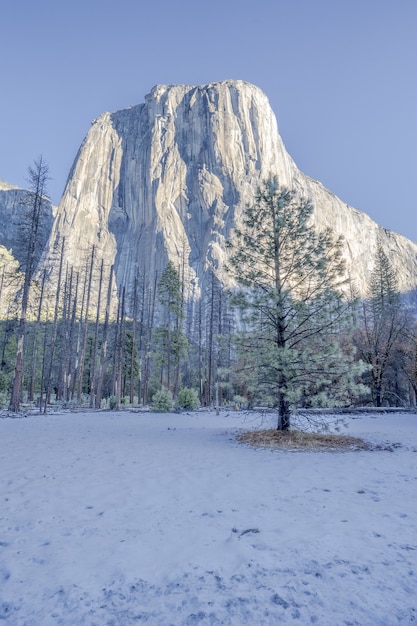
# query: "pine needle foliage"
{"points": [[381, 323], [290, 279]]}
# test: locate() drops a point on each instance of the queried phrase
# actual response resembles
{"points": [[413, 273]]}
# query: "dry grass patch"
{"points": [[298, 440]]}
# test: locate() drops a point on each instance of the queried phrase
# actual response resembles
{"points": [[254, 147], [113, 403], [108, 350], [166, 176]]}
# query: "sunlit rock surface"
{"points": [[168, 179], [15, 203]]}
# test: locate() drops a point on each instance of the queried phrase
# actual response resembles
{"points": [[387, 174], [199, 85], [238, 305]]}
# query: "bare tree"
{"points": [[38, 176], [104, 342], [53, 341], [31, 391], [133, 350], [152, 292], [95, 341], [84, 326], [120, 349], [69, 368]]}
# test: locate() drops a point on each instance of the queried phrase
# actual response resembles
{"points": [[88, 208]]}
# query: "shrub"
{"points": [[162, 401], [187, 398], [4, 398]]}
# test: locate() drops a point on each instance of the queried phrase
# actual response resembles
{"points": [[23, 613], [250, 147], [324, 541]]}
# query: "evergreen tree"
{"points": [[381, 322], [290, 278], [170, 337]]}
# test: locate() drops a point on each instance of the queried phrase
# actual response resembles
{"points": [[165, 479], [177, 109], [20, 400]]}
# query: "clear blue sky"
{"points": [[341, 77]]}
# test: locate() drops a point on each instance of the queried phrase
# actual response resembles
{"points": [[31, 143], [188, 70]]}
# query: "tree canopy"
{"points": [[290, 279]]}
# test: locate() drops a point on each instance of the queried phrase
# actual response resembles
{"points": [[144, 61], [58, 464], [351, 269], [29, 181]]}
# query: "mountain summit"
{"points": [[167, 180]]}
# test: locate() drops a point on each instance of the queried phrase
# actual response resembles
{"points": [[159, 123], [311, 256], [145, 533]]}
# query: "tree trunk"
{"points": [[103, 353], [85, 329], [148, 346], [95, 341], [54, 330], [38, 176], [70, 370], [133, 351], [284, 412], [120, 351], [31, 391]]}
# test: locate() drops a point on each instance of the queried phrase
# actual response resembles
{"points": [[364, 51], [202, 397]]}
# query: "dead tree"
{"points": [[38, 176]]}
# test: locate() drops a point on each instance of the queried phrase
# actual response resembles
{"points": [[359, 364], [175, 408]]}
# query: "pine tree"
{"points": [[290, 278], [381, 322], [170, 337]]}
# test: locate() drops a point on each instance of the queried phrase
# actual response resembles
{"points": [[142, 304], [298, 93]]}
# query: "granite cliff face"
{"points": [[168, 179], [14, 203], [13, 252]]}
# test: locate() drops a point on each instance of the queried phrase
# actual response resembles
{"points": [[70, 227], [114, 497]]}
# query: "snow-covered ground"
{"points": [[124, 518]]}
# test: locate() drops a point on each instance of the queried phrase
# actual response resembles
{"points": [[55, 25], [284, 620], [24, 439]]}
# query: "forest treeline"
{"points": [[291, 333]]}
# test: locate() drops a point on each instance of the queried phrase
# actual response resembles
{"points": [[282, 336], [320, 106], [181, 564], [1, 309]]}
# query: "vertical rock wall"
{"points": [[168, 179]]}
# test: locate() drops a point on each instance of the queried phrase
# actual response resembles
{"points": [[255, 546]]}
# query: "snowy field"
{"points": [[113, 519]]}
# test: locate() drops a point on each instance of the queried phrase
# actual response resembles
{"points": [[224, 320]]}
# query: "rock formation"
{"points": [[167, 179], [14, 204]]}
